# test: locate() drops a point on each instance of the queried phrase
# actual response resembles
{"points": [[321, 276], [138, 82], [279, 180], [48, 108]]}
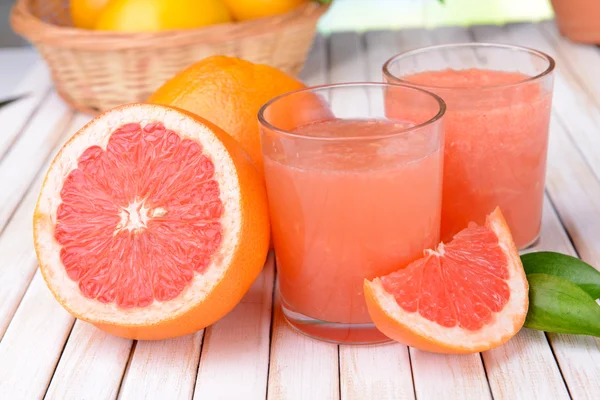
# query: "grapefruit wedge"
{"points": [[151, 223], [467, 296]]}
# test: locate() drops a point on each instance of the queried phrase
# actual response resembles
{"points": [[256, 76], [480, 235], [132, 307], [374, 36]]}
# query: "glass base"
{"points": [[334, 332], [531, 244]]}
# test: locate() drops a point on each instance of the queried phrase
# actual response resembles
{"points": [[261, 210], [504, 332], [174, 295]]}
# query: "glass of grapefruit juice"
{"points": [[353, 194], [496, 129]]}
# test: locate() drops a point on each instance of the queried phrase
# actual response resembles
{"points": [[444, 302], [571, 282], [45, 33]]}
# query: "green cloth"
{"points": [[361, 15]]}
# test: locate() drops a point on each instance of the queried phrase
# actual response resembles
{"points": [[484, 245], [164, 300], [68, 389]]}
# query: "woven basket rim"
{"points": [[34, 29]]}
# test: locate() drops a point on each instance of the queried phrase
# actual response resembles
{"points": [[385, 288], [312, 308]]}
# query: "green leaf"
{"points": [[573, 269], [324, 1], [557, 305]]}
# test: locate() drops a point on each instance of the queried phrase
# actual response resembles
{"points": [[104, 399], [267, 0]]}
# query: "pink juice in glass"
{"points": [[496, 126], [495, 150], [353, 194], [348, 211]]}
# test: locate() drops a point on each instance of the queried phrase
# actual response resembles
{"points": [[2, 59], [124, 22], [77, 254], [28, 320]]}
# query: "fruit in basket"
{"points": [[228, 92], [161, 15], [243, 10], [467, 296], [151, 223], [85, 13]]}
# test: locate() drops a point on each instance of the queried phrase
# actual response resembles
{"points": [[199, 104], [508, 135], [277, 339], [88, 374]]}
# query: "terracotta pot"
{"points": [[578, 20]]}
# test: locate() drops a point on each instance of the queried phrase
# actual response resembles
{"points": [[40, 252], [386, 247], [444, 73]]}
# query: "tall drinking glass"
{"points": [[353, 193], [496, 129]]}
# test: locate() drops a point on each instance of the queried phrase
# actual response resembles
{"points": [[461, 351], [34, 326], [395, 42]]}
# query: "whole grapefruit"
{"points": [[151, 223], [161, 15], [243, 10], [85, 13], [228, 92]]}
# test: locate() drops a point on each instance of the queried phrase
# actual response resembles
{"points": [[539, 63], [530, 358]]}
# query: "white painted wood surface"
{"points": [[164, 369], [454, 377], [91, 366], [380, 371], [236, 348], [33, 343], [252, 353], [299, 367], [573, 188]]}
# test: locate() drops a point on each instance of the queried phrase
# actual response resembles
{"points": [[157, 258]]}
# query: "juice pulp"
{"points": [[495, 149], [346, 210]]}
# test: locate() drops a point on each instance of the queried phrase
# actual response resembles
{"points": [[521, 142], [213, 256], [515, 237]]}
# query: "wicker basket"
{"points": [[95, 71]]}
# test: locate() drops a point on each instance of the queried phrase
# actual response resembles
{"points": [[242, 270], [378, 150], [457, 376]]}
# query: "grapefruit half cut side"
{"points": [[151, 223], [467, 296]]}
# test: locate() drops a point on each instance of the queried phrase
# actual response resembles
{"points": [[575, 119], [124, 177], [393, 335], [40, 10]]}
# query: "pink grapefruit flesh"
{"points": [[466, 296]]}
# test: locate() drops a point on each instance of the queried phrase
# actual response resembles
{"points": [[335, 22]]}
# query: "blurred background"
{"points": [[362, 15], [393, 14]]}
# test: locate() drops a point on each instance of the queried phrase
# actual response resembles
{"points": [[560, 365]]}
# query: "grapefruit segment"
{"points": [[151, 223], [467, 296]]}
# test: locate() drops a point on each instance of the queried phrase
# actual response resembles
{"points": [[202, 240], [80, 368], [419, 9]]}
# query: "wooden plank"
{"points": [[582, 60], [348, 64], [39, 328], [502, 361], [454, 377], [33, 343], [16, 247], [375, 372], [579, 360], [442, 376], [568, 99], [578, 356], [510, 369], [15, 62], [21, 78], [93, 362], [29, 153], [380, 47], [574, 191], [408, 39], [451, 34], [91, 366], [163, 369], [315, 68], [527, 350], [301, 368], [347, 57], [236, 348], [18, 257]]}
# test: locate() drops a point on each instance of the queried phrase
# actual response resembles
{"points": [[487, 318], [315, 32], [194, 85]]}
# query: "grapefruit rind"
{"points": [[98, 132], [414, 330]]}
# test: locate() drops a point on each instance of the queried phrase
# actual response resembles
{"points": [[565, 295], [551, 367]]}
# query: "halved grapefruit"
{"points": [[151, 223], [467, 296]]}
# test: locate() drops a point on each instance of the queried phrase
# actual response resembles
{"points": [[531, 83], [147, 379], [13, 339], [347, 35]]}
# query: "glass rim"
{"points": [[551, 63], [438, 115]]}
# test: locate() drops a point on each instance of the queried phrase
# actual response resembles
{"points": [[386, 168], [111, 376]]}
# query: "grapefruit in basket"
{"points": [[243, 10], [85, 13], [161, 15], [466, 296], [151, 223], [228, 92]]}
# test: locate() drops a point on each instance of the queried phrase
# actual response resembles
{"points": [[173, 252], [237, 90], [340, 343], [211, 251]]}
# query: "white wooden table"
{"points": [[251, 353]]}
